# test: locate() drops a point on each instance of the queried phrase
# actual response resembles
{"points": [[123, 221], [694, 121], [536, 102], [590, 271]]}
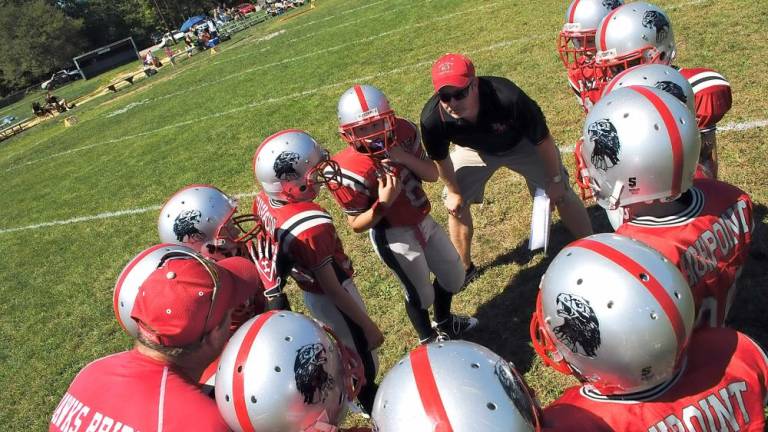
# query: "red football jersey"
{"points": [[130, 392], [722, 386], [712, 95], [708, 242], [360, 188], [305, 231]]}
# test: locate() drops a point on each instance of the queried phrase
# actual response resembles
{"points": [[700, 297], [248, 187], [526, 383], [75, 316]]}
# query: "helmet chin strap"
{"points": [[613, 199]]}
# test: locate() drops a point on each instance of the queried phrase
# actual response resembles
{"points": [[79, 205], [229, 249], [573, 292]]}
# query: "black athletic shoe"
{"points": [[457, 325]]}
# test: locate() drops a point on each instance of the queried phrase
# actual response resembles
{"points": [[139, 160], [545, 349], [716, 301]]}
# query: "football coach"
{"points": [[493, 124]]}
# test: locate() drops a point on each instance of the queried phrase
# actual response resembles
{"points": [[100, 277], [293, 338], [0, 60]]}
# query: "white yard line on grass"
{"points": [[565, 149]]}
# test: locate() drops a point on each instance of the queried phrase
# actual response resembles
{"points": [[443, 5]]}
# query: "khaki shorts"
{"points": [[473, 169]]}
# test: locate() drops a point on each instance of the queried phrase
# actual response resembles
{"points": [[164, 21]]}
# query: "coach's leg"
{"points": [[472, 172], [574, 214]]}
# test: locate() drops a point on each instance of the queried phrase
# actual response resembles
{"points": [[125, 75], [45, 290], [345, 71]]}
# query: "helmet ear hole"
{"points": [[303, 188]]}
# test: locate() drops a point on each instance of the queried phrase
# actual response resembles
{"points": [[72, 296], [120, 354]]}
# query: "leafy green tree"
{"points": [[38, 38]]}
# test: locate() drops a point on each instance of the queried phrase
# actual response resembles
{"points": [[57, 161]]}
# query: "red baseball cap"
{"points": [[187, 297], [453, 70]]}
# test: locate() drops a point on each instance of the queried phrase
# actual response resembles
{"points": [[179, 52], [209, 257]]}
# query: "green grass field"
{"points": [[201, 122]]}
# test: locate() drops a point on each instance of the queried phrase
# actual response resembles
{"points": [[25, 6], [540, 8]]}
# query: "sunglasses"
{"points": [[458, 95]]}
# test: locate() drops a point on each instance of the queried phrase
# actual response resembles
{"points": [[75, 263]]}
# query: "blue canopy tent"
{"points": [[191, 21]]}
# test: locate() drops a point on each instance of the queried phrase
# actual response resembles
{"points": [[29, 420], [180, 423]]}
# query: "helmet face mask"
{"points": [[576, 40]]}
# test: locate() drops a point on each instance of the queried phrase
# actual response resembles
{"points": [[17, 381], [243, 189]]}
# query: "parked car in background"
{"points": [[59, 78], [7, 120], [246, 8]]}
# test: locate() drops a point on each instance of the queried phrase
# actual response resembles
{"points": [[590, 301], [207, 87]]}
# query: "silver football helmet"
{"points": [[282, 371], [640, 144], [135, 273], [203, 217], [662, 77], [615, 313], [366, 121], [454, 385], [633, 34], [291, 166], [576, 40]]}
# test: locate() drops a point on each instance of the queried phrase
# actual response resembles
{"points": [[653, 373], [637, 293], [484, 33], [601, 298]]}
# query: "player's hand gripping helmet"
{"points": [[366, 121], [633, 34], [283, 371], [291, 166], [640, 144], [454, 386], [662, 77], [135, 273], [203, 217], [613, 312], [576, 41]]}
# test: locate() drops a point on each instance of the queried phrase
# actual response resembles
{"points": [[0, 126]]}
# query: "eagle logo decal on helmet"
{"points": [[283, 165], [611, 4], [184, 226], [580, 330], [605, 152], [672, 88], [312, 380], [513, 385], [659, 22]]}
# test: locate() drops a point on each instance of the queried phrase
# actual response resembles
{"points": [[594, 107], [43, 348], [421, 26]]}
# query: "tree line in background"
{"points": [[42, 36]]}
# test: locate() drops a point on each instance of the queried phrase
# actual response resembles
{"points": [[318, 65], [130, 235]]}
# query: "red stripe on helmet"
{"points": [[604, 30], [238, 386], [361, 98], [124, 274], [675, 140], [573, 10], [428, 392], [652, 284]]}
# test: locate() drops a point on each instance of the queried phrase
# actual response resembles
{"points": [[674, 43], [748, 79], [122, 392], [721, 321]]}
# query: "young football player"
{"points": [[380, 191], [576, 46], [309, 398], [619, 317], [639, 155], [641, 33], [291, 167]]}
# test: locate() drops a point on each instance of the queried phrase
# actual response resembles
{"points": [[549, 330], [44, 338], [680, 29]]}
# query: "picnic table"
{"points": [[113, 86], [12, 129]]}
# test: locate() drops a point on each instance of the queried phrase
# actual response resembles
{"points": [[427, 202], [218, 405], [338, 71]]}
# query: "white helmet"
{"points": [[366, 121], [662, 77], [640, 144], [615, 313], [281, 371], [577, 38], [203, 217], [291, 166], [135, 273], [455, 385], [633, 34]]}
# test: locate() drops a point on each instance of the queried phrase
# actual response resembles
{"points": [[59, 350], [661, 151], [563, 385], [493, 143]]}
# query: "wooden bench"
{"points": [[127, 78], [12, 130]]}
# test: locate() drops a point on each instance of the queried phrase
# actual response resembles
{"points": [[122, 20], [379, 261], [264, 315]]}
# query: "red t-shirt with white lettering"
{"points": [[722, 385], [708, 242], [130, 392]]}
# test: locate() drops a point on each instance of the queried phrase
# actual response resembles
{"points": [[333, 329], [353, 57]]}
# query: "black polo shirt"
{"points": [[507, 116]]}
